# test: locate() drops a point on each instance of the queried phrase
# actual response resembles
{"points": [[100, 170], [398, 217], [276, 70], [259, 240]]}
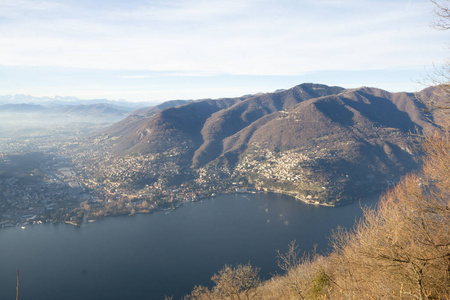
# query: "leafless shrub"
{"points": [[239, 282]]}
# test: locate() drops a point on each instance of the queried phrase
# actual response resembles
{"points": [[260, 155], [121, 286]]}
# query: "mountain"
{"points": [[202, 124], [21, 108], [63, 101], [314, 141], [130, 123], [228, 122], [34, 116], [80, 109], [101, 109], [174, 127]]}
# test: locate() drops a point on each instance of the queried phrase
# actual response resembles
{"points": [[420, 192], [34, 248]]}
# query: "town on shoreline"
{"points": [[68, 180]]}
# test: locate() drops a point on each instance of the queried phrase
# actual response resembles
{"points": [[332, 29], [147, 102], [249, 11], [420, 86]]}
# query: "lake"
{"points": [[163, 253]]}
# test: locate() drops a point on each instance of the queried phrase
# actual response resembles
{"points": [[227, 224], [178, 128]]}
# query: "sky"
{"points": [[158, 50]]}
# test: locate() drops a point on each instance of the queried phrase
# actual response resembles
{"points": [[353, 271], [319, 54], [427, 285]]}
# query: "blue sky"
{"points": [[189, 49]]}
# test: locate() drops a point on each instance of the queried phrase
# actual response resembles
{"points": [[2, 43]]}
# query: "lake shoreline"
{"points": [[176, 205]]}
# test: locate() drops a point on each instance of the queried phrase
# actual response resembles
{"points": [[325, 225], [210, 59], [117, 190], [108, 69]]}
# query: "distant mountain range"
{"points": [[35, 115], [358, 138], [75, 109], [65, 101]]}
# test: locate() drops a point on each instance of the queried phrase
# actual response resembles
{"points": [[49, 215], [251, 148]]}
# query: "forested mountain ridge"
{"points": [[318, 143], [211, 119]]}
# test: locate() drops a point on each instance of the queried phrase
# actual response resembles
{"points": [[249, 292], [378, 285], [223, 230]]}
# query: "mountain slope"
{"points": [[228, 121], [173, 127], [203, 124], [312, 140]]}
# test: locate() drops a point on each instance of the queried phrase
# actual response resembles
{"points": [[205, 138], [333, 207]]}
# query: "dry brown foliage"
{"points": [[402, 249], [306, 280]]}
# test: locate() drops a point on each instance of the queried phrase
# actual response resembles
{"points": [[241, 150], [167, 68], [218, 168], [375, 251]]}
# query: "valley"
{"points": [[322, 145]]}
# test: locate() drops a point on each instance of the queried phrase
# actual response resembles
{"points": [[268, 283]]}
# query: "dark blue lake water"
{"points": [[163, 253]]}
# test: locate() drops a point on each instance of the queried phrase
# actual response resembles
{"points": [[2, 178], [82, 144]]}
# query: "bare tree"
{"points": [[290, 259], [441, 14], [305, 274], [440, 77], [239, 282], [233, 282]]}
